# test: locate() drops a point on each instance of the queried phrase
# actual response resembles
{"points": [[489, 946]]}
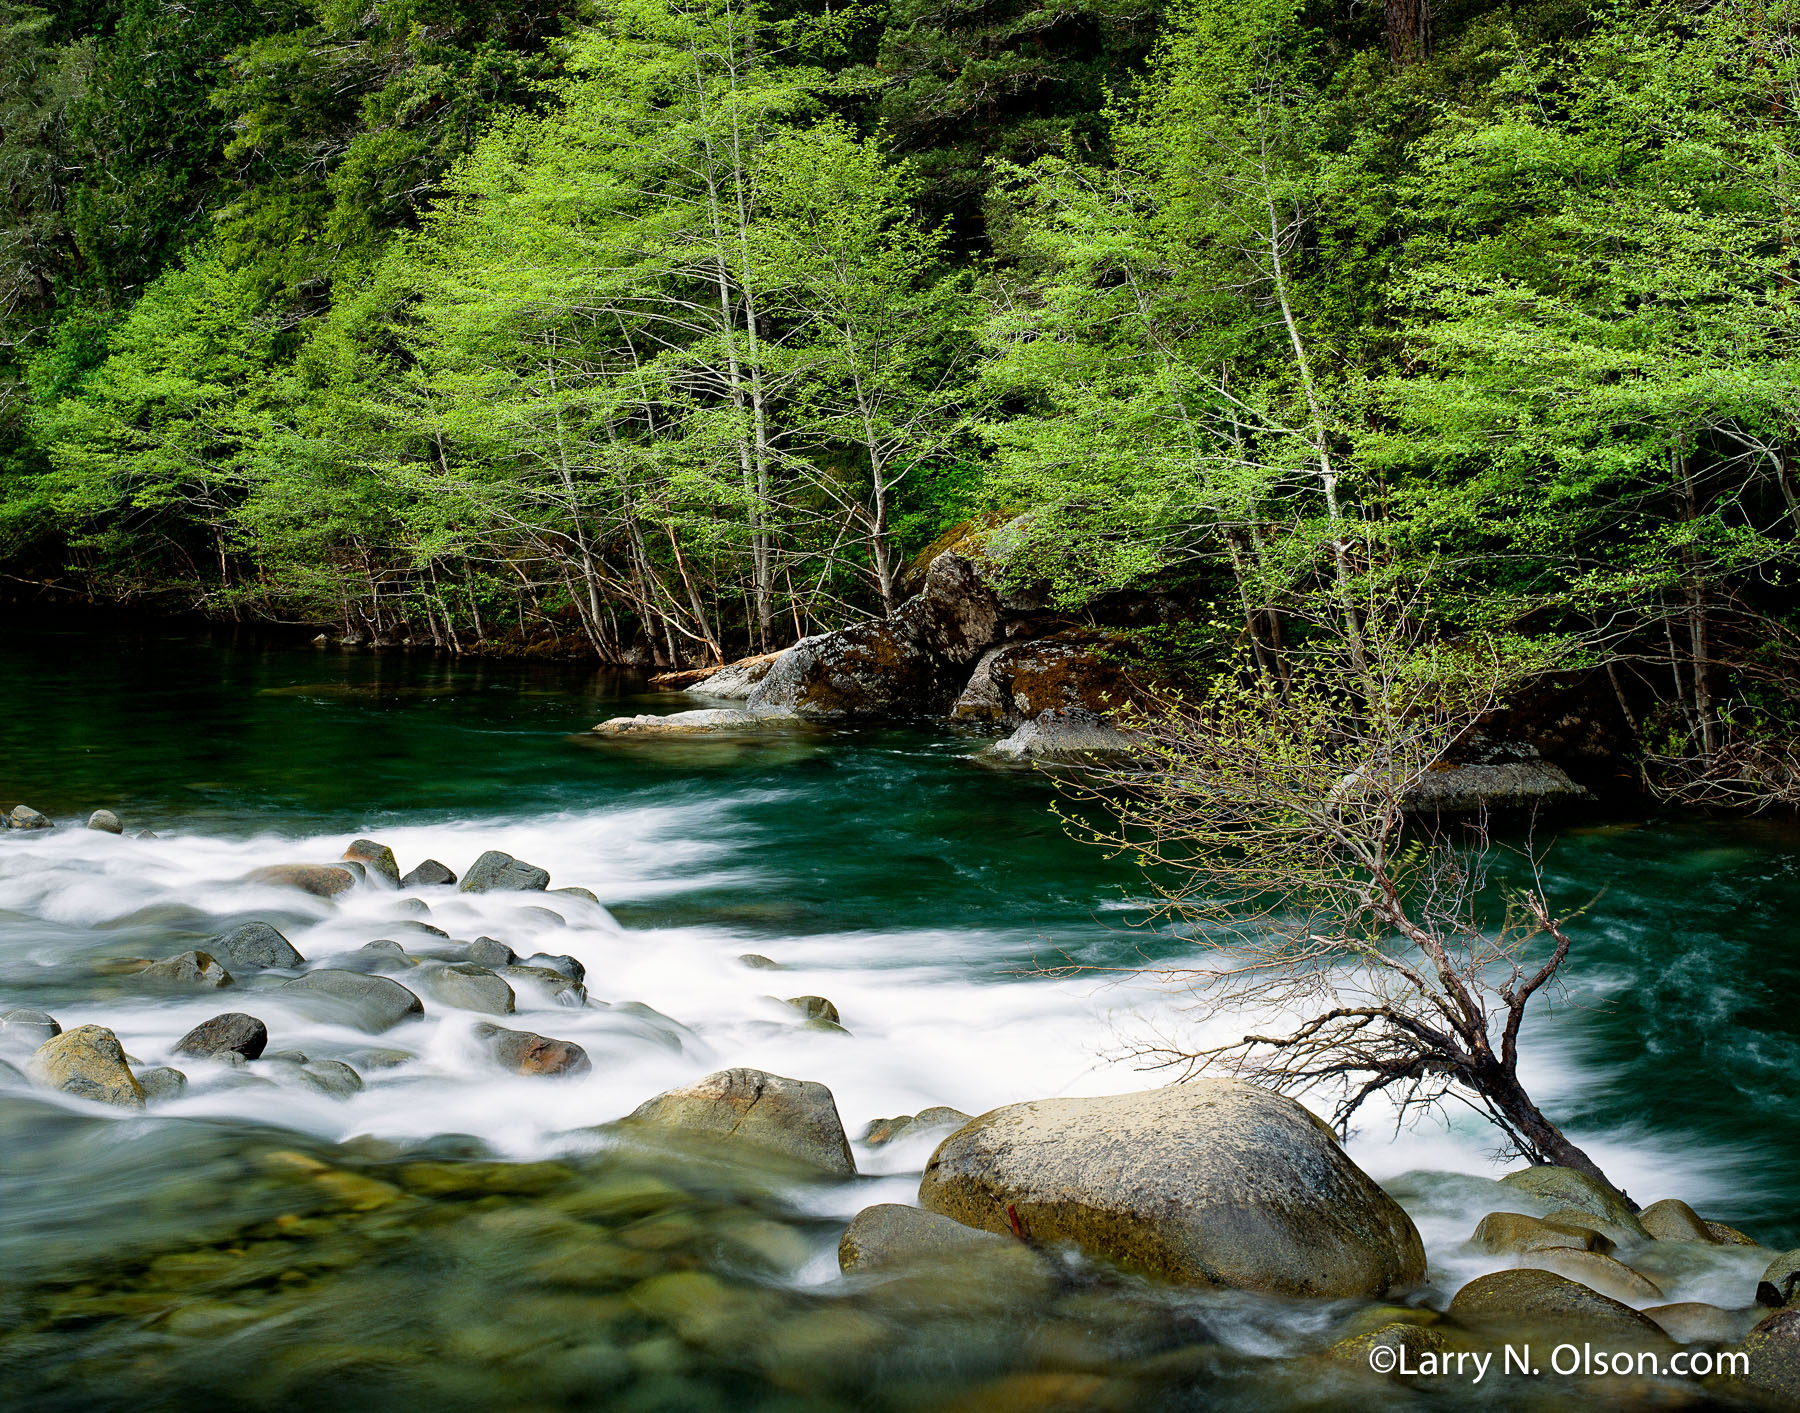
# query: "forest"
{"points": [[667, 331]]}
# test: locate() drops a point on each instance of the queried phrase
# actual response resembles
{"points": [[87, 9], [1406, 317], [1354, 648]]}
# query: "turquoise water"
{"points": [[180, 1255]]}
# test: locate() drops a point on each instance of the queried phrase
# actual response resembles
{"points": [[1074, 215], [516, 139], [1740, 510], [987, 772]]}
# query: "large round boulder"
{"points": [[321, 880], [1212, 1182], [89, 1063], [233, 1033], [794, 1117]]}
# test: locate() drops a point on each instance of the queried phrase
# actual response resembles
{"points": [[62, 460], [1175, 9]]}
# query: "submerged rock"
{"points": [[1599, 1272], [1534, 1297], [558, 962], [1212, 1182], [26, 1029], [430, 874], [377, 858], [106, 822], [25, 817], [162, 1083], [186, 969], [332, 1077], [1073, 737], [1579, 1191], [321, 880], [496, 872], [793, 1117], [1515, 785], [368, 1003], [586, 895], [700, 722], [486, 952], [562, 991], [890, 1233], [526, 1052], [757, 962], [1692, 1322], [881, 1132], [89, 1063], [253, 947], [232, 1032], [471, 988]]}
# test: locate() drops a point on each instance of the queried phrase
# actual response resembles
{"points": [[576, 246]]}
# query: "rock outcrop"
{"points": [[1212, 1182], [791, 1117], [1017, 681]]}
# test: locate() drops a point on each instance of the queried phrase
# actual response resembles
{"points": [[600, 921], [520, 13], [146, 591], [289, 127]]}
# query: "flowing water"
{"points": [[453, 1236]]}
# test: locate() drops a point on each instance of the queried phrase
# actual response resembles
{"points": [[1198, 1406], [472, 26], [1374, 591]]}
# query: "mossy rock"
{"points": [[889, 1234], [1543, 1299], [1780, 1283], [1565, 1187], [1503, 1232], [89, 1063]]}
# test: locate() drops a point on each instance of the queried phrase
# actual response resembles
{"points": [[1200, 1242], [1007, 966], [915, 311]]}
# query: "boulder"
{"points": [[1514, 785], [471, 988], [1773, 1348], [562, 991], [757, 962], [430, 874], [253, 947], [881, 1132], [1567, 1188], [321, 880], [232, 1032], [1673, 1220], [586, 895], [1729, 1236], [1598, 1272], [1213, 1182], [815, 1008], [1503, 1232], [25, 817], [496, 872], [486, 952], [332, 1077], [889, 1234], [1543, 1298], [162, 1083], [735, 681], [184, 970], [1615, 1233], [872, 671], [1780, 1283], [106, 822], [89, 1063], [24, 1029], [1074, 737], [558, 962], [367, 1003], [792, 1117], [525, 1052], [1016, 682], [377, 858], [1693, 1322]]}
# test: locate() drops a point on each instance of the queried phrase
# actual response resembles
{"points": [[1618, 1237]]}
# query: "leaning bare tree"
{"points": [[1364, 945]]}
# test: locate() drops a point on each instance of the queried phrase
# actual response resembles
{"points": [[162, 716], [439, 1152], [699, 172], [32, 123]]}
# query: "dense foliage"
{"points": [[671, 329]]}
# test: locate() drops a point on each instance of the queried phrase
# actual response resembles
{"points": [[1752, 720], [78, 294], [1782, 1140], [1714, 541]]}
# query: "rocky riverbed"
{"points": [[726, 1240]]}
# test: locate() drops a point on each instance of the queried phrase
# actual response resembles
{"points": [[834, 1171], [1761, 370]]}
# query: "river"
{"points": [[220, 1245]]}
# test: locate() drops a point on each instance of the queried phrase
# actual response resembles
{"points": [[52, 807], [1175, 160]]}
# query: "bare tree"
{"points": [[1361, 946]]}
